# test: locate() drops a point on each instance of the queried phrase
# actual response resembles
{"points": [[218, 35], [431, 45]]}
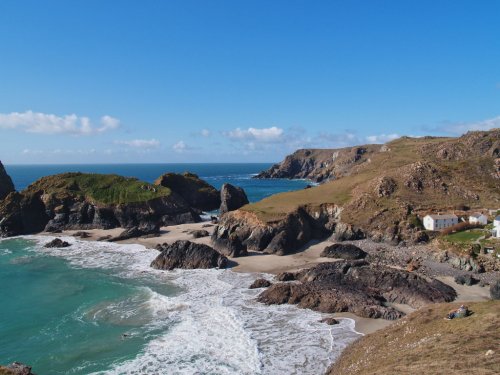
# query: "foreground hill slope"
{"points": [[424, 343], [380, 197]]}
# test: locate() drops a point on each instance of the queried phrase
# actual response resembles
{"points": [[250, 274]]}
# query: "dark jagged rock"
{"points": [[57, 242], [188, 255], [232, 198], [196, 192], [199, 233], [343, 251], [146, 229], [81, 234], [495, 290], [357, 287], [16, 368], [329, 321], [347, 232], [286, 276], [242, 231], [6, 184], [260, 283], [81, 201], [466, 280]]}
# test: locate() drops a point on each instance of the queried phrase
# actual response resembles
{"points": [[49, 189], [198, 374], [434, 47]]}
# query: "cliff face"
{"points": [[6, 185], [84, 201], [321, 165], [196, 192], [380, 198]]}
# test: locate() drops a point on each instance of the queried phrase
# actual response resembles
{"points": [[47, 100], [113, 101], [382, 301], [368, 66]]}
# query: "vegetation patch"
{"points": [[99, 188]]}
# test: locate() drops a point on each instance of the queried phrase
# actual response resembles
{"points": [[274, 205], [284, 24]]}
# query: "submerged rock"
{"points": [[343, 251], [187, 255], [16, 368], [357, 287], [57, 242], [232, 198]]}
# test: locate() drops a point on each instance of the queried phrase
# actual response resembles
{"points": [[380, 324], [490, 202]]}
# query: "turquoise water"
{"points": [[99, 308], [67, 320]]}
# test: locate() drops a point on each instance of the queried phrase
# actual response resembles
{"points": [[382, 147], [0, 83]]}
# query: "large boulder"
{"points": [[187, 255], [6, 184], [197, 193], [343, 251], [495, 290], [57, 242], [357, 287], [232, 198]]}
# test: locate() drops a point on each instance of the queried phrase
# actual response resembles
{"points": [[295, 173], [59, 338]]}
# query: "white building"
{"points": [[478, 218], [496, 227], [438, 222]]}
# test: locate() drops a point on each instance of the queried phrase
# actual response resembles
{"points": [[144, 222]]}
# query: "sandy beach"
{"points": [[274, 264]]}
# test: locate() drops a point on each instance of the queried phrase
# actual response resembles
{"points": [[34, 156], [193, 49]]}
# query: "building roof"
{"points": [[447, 216], [476, 215]]}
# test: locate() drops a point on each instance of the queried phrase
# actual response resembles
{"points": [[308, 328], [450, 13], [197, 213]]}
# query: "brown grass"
{"points": [[425, 343]]}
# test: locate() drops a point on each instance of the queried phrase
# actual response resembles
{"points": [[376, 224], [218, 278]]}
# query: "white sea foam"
{"points": [[215, 324]]}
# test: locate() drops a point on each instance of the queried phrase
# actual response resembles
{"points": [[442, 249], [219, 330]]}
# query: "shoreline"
{"points": [[272, 264]]}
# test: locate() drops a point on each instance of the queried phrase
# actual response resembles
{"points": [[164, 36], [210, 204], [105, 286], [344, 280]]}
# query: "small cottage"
{"points": [[496, 222], [478, 218], [438, 222]]}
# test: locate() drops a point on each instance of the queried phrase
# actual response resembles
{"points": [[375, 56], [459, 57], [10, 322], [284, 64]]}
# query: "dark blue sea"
{"points": [[214, 174]]}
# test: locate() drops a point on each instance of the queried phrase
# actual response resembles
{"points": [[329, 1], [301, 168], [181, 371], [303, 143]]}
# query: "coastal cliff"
{"points": [[380, 196], [85, 201], [6, 185]]}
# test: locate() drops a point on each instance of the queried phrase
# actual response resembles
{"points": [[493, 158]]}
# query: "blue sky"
{"points": [[236, 81]]}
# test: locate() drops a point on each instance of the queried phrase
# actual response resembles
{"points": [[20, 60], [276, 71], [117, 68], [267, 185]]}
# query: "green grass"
{"points": [[467, 236], [100, 188]]}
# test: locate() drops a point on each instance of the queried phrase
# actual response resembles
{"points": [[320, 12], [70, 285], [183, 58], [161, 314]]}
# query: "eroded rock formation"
{"points": [[187, 255]]}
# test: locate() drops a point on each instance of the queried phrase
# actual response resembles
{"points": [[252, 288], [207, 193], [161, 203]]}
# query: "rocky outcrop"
{"points": [[260, 283], [16, 368], [232, 198], [495, 290], [86, 201], [343, 251], [199, 233], [240, 231], [329, 321], [357, 287], [321, 165], [187, 255], [57, 242], [196, 192], [146, 229], [6, 184]]}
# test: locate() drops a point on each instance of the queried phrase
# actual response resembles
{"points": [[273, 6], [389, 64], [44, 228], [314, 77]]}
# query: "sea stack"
{"points": [[232, 198], [6, 184]]}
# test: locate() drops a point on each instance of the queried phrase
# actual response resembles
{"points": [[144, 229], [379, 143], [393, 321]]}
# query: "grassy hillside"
{"points": [[427, 173], [99, 188], [425, 343]]}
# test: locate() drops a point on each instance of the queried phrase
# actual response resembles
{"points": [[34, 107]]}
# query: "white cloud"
{"points": [[145, 144], [272, 134], [382, 138], [206, 133], [180, 147], [464, 127], [43, 123], [59, 151]]}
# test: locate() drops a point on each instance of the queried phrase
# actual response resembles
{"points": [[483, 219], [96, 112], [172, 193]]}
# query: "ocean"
{"points": [[98, 308]]}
